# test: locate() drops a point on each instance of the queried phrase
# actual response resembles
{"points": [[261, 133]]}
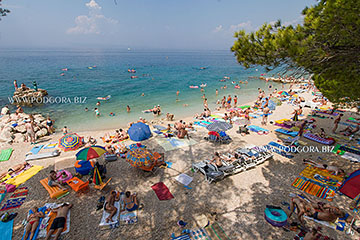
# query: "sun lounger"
{"points": [[209, 170], [54, 192], [31, 157]]}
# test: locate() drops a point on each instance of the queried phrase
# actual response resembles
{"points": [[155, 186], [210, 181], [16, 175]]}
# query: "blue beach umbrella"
{"points": [[139, 132]]}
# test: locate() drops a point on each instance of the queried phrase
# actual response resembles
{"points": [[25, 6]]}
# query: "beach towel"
{"points": [[127, 218], [24, 176], [162, 191], [6, 229], [169, 144], [48, 220], [184, 179], [287, 132], [50, 145], [351, 149], [258, 129], [338, 225], [5, 154], [16, 199], [352, 157], [322, 176], [115, 217], [215, 231], [182, 237], [313, 189], [35, 150], [2, 194], [353, 120], [42, 209]]}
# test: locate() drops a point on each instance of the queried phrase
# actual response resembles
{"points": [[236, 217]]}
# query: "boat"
{"points": [[104, 98]]}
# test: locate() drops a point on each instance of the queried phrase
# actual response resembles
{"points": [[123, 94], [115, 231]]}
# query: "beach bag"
{"points": [[10, 188]]}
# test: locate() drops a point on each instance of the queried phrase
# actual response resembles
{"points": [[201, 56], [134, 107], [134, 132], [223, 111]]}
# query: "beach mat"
{"points": [[16, 199], [35, 150], [287, 132], [162, 191], [48, 220], [127, 218], [322, 176], [106, 214], [31, 157], [169, 144], [5, 154], [24, 176], [215, 231], [6, 229], [50, 145]]}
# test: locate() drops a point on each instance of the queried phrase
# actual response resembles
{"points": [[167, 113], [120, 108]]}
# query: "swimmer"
{"points": [[98, 103], [128, 108], [97, 112], [217, 92], [143, 94], [86, 109], [185, 105]]}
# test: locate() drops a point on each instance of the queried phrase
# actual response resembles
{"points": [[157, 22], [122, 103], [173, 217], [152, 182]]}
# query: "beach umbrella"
{"points": [[139, 131], [140, 158], [219, 126], [90, 153], [70, 141]]}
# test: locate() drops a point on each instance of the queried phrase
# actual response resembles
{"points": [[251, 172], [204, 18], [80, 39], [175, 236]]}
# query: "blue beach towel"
{"points": [[281, 147], [278, 151], [257, 128], [287, 132], [6, 229]]}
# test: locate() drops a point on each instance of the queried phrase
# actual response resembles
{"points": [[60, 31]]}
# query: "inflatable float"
{"points": [[147, 111], [193, 86], [275, 216], [104, 98], [326, 141]]}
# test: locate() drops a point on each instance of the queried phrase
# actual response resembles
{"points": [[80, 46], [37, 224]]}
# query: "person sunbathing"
{"points": [[182, 133], [109, 149], [334, 169], [233, 158], [33, 222], [317, 211], [15, 169], [217, 160], [131, 202], [321, 134], [350, 130], [53, 180], [109, 205], [60, 220]]}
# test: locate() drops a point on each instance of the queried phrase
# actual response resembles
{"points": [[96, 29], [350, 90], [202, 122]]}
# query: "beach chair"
{"points": [[210, 171]]}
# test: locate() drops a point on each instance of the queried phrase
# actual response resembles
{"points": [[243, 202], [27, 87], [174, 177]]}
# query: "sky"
{"points": [[139, 24]]}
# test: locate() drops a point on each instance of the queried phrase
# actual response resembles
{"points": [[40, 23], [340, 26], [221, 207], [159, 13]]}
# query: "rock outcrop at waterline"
{"points": [[29, 97], [12, 127]]}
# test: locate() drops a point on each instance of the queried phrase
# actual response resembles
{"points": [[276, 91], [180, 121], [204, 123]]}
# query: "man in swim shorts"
{"points": [[60, 220]]}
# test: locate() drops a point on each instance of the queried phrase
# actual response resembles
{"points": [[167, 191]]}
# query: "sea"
{"points": [[93, 73]]}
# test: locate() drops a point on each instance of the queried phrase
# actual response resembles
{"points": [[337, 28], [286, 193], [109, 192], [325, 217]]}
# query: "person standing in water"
{"points": [[15, 85], [35, 85], [128, 108], [217, 92]]}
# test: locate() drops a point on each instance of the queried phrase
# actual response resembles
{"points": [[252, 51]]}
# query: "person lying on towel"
{"points": [[60, 220], [15, 169], [316, 210], [109, 205], [334, 169], [350, 130], [131, 202], [32, 223]]}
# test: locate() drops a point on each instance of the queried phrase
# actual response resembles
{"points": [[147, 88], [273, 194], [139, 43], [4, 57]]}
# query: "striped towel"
{"points": [[313, 189]]}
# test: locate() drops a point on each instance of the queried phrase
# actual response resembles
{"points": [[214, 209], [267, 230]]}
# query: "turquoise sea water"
{"points": [[160, 75]]}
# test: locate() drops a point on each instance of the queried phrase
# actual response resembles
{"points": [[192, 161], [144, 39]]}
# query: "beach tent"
{"points": [[139, 132], [351, 186]]}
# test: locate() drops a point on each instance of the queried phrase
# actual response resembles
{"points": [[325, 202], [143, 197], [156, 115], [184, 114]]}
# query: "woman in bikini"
{"points": [[33, 222], [131, 202]]}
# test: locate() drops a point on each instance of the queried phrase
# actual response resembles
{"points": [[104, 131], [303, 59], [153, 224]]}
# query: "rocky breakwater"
{"points": [[12, 127], [29, 96]]}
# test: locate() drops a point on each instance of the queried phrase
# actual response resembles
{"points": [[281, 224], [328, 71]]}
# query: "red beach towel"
{"points": [[162, 192]]}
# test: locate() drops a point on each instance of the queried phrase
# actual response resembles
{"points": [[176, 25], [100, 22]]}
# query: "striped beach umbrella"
{"points": [[70, 141], [141, 158], [90, 153], [219, 126]]}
